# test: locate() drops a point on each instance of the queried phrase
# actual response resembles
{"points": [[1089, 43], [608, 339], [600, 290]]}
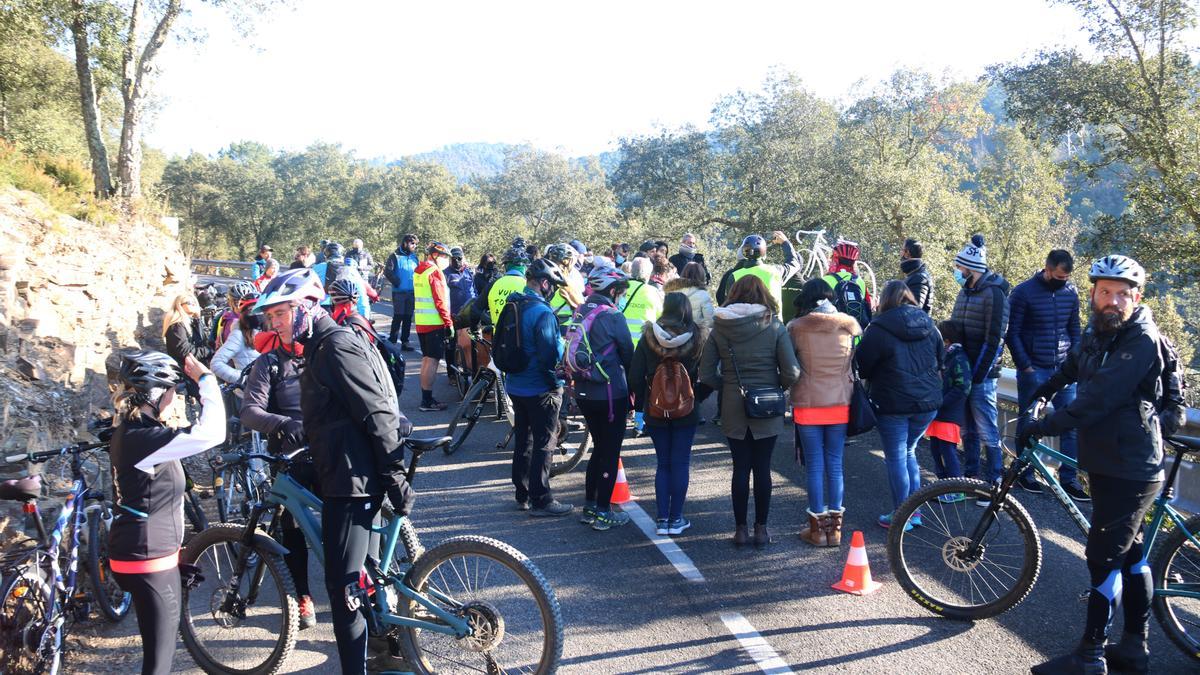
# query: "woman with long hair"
{"points": [[238, 348], [691, 282], [181, 330]]}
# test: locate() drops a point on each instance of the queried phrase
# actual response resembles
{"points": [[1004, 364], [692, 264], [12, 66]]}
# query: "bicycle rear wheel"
{"points": [[572, 446], [516, 621], [467, 414], [1176, 568], [932, 561], [113, 601], [24, 617]]}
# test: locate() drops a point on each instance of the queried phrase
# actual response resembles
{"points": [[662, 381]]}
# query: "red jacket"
{"points": [[441, 296]]}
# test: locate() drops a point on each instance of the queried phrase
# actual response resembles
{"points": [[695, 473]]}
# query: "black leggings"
{"points": [[296, 559], [156, 602], [751, 455], [346, 530], [607, 438]]}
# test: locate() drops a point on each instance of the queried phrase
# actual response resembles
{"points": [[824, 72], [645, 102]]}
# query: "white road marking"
{"points": [[755, 645], [675, 555]]}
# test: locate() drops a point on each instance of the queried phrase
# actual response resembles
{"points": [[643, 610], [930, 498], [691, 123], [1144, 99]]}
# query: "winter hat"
{"points": [[974, 255]]}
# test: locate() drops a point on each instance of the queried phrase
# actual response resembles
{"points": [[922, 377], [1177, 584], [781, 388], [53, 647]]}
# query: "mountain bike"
{"points": [[965, 564], [816, 259], [469, 604], [39, 578]]}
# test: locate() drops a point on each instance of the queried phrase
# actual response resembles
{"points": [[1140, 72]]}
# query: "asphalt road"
{"points": [[629, 610]]}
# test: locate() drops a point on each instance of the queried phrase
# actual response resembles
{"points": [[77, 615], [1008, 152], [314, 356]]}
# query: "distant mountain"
{"points": [[484, 160]]}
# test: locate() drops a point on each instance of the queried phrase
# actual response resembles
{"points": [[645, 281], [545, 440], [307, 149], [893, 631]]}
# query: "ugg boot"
{"points": [[833, 528], [741, 536], [761, 536], [814, 533]]}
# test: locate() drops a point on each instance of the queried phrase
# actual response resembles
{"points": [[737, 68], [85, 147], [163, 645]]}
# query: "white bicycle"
{"points": [[816, 259]]}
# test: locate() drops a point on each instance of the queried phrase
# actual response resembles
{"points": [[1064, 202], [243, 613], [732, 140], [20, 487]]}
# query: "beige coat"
{"points": [[824, 344]]}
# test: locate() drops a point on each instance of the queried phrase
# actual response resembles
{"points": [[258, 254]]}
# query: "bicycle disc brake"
{"points": [[227, 607], [487, 627], [954, 554]]}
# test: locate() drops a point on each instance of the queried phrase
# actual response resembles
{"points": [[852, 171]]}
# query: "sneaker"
{"points": [[606, 520], [432, 406], [405, 347], [554, 508], [885, 521], [308, 612], [660, 526], [678, 525], [915, 520], [1030, 484], [951, 497], [588, 516], [1075, 491], [524, 506]]}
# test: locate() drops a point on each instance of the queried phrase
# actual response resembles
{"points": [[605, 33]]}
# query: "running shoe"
{"points": [[432, 406], [660, 526], [885, 521], [678, 525], [606, 520], [1075, 491], [308, 612], [588, 516]]}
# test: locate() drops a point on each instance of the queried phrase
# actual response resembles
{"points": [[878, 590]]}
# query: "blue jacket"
{"points": [[363, 306], [956, 386], [1043, 324], [462, 287], [399, 270], [539, 336]]}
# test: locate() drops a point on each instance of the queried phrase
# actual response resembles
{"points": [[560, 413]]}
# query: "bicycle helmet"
{"points": [[1118, 268], [515, 257], [248, 300], [754, 246], [559, 254], [240, 291], [439, 248], [291, 286], [847, 250], [545, 269], [601, 278], [343, 290], [334, 251], [146, 371]]}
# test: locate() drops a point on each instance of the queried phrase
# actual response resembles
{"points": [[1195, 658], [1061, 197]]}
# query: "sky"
{"points": [[388, 78]]}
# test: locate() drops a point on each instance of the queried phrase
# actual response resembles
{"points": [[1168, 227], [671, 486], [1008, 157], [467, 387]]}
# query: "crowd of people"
{"points": [[634, 341]]}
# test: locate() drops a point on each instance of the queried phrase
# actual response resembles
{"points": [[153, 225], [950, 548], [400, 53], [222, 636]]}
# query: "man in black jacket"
{"points": [[1117, 368], [688, 254], [355, 433], [916, 274]]}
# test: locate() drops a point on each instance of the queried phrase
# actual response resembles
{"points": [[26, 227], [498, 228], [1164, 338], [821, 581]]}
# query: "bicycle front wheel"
{"points": [[244, 625], [1176, 570], [937, 564], [113, 601], [466, 415], [516, 623]]}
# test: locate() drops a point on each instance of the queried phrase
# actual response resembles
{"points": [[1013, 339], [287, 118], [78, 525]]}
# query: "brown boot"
{"points": [[833, 528], [761, 536], [814, 532], [740, 536]]}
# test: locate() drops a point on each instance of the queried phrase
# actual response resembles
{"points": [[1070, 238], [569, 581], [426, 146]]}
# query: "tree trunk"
{"points": [[135, 90], [3, 112], [89, 104]]}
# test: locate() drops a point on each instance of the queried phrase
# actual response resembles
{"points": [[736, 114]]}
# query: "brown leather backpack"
{"points": [[671, 396]]}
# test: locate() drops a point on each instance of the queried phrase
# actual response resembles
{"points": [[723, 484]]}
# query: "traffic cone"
{"points": [[620, 493], [856, 577]]}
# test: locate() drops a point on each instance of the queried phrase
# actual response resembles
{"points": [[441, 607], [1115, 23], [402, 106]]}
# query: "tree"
{"points": [[555, 199]]}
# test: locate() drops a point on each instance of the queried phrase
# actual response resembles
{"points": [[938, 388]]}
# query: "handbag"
{"points": [[862, 410], [760, 403]]}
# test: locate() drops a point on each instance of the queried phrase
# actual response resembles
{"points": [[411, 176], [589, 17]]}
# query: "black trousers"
{"points": [[156, 603], [535, 423], [347, 536], [607, 438], [403, 303], [751, 456]]}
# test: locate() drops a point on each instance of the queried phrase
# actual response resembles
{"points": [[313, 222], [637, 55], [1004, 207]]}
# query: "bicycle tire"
{"points": [[23, 617], [1167, 608], [229, 536], [466, 415], [936, 516], [112, 601], [524, 571], [566, 457]]}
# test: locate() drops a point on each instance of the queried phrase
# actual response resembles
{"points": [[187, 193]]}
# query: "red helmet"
{"points": [[845, 249]]}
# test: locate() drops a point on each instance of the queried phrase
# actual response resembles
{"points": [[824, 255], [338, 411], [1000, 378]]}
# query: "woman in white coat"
{"points": [[691, 283], [237, 352]]}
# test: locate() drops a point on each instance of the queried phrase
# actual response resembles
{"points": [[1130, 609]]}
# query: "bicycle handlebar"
{"points": [[45, 455]]}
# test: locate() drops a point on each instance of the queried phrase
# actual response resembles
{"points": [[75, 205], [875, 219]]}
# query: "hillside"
{"points": [[484, 160]]}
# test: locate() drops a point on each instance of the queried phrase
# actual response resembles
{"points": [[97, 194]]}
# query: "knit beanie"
{"points": [[974, 255]]}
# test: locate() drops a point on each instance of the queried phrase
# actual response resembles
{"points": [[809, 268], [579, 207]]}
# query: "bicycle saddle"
{"points": [[420, 445], [1190, 442], [21, 489]]}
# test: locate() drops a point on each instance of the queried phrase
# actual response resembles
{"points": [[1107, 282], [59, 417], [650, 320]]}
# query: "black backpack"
{"points": [[848, 299], [1172, 405], [507, 351]]}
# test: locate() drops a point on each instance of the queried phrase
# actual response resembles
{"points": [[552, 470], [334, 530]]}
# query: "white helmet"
{"points": [[292, 285], [1118, 268]]}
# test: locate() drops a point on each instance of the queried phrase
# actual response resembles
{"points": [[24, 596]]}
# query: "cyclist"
{"points": [[460, 279], [570, 296], [431, 314], [515, 261], [1117, 368], [148, 486], [238, 349], [355, 435], [774, 277], [230, 317], [641, 303], [850, 295], [335, 268]]}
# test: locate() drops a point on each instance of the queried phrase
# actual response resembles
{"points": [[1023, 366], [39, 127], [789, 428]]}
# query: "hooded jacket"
{"points": [[956, 386], [900, 356], [1114, 407], [982, 311], [659, 343], [919, 282], [824, 344], [764, 356], [698, 298], [1043, 323]]}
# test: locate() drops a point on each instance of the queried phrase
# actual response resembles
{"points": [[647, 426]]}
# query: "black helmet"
{"points": [[518, 242], [754, 246], [516, 257], [456, 253], [343, 290], [145, 371], [545, 269], [334, 250]]}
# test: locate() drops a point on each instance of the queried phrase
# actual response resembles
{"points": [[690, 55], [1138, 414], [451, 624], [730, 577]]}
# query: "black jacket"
{"points": [[680, 261], [900, 356], [351, 416], [1114, 407], [982, 311], [919, 282], [182, 342], [271, 397]]}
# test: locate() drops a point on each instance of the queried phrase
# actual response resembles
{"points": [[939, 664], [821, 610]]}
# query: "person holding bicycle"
{"points": [[773, 277], [1116, 368], [148, 486], [355, 434]]}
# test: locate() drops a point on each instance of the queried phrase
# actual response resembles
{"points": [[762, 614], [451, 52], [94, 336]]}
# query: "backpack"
{"points": [[848, 299], [507, 351], [390, 352], [1172, 405], [578, 359], [671, 395]]}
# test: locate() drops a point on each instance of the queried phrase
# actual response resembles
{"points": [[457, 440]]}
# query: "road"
{"points": [[628, 609]]}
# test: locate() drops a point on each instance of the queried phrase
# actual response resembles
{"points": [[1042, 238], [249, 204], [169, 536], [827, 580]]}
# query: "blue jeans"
{"points": [[982, 426], [1027, 383], [673, 446], [900, 435], [823, 445]]}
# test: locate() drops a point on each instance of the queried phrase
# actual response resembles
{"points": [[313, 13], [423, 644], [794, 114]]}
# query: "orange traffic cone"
{"points": [[620, 493], [856, 577]]}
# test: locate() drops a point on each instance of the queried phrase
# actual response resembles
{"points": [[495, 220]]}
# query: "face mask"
{"points": [[1056, 284], [620, 260], [960, 277]]}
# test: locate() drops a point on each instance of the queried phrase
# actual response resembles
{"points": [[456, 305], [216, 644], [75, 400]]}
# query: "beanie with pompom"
{"points": [[974, 255]]}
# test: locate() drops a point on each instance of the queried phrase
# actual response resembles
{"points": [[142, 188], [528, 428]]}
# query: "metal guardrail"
{"points": [[213, 267]]}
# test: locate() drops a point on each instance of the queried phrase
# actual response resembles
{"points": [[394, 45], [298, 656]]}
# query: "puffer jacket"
{"points": [[764, 357], [1043, 324], [698, 298], [234, 350], [983, 312], [659, 343], [919, 282], [900, 356], [1118, 377], [608, 330], [824, 343]]}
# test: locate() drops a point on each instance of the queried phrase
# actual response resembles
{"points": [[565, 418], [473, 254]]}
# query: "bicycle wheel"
{"points": [[467, 414], [24, 618], [516, 622], [113, 601], [248, 628], [572, 446], [1176, 566], [931, 563]]}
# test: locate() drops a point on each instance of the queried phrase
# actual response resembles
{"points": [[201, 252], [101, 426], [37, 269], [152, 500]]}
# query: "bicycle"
{"points": [[40, 577], [438, 606], [986, 563], [816, 259]]}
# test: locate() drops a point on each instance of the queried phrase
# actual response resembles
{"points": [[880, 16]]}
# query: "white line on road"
{"points": [[755, 645], [675, 555]]}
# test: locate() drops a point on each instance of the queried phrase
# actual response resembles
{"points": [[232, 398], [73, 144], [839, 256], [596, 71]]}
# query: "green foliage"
{"points": [[62, 181]]}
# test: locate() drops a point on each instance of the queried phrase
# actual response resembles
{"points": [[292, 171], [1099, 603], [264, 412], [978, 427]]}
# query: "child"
{"points": [[943, 432]]}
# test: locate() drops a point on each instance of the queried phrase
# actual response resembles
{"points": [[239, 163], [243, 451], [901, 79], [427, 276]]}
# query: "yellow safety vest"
{"points": [[501, 289], [835, 278], [771, 278], [641, 305], [424, 311]]}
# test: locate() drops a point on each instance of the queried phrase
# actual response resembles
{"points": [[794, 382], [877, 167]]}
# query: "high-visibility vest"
{"points": [[501, 289], [424, 311], [769, 276], [641, 305], [835, 278]]}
